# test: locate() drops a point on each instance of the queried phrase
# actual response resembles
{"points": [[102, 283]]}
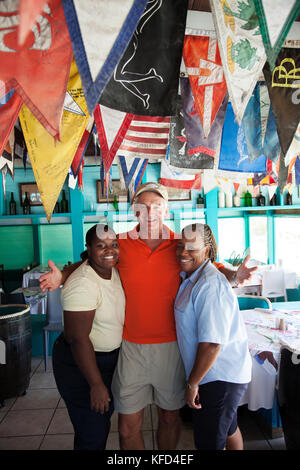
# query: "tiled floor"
{"points": [[39, 421]]}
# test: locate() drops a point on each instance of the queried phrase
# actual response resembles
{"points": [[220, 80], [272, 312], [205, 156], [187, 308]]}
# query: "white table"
{"points": [[265, 338]]}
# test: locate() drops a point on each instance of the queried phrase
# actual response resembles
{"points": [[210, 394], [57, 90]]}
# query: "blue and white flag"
{"points": [[100, 32]]}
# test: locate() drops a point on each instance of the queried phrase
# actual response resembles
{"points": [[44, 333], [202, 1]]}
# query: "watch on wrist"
{"points": [[191, 387]]}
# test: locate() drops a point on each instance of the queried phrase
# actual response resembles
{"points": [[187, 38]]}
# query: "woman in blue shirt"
{"points": [[212, 340]]}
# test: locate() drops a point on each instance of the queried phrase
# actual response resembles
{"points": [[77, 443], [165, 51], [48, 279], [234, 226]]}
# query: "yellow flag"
{"points": [[52, 159]]}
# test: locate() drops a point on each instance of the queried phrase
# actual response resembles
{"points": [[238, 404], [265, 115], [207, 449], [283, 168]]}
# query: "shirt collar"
{"points": [[196, 274]]}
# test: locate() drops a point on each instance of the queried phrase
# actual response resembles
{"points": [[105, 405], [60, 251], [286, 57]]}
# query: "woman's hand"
{"points": [[192, 398], [51, 280], [100, 398]]}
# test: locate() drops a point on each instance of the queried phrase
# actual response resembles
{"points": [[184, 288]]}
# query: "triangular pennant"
{"points": [[176, 179], [10, 106], [51, 160], [39, 70], [260, 126], [275, 20], [241, 49], [294, 148], [297, 170], [109, 24], [128, 175], [7, 157], [145, 81], [205, 71], [136, 180], [284, 86], [111, 127], [82, 148]]}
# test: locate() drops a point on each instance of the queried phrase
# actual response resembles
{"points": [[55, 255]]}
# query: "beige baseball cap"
{"points": [[154, 188]]}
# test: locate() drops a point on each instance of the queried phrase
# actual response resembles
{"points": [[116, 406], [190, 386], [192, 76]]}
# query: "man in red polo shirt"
{"points": [[149, 369]]}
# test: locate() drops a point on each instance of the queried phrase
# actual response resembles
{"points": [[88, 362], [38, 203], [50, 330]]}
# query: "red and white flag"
{"points": [[176, 179]]}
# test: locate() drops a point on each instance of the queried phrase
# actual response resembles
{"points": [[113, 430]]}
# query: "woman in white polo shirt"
{"points": [[212, 340], [85, 355]]}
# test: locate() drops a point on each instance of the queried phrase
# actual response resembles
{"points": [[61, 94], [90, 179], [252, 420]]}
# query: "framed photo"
{"points": [[122, 194], [177, 194], [33, 193]]}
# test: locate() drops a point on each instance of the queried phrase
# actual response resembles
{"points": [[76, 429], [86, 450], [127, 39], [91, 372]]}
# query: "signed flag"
{"points": [[205, 71], [177, 179], [145, 81], [28, 12], [38, 70], [10, 105], [259, 126], [51, 160], [131, 171], [284, 90], [100, 32], [275, 20], [297, 171], [241, 48]]}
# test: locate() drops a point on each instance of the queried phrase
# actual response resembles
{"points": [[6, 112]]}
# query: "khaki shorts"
{"points": [[146, 374]]}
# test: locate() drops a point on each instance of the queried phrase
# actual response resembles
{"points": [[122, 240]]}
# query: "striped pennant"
{"points": [[146, 137]]}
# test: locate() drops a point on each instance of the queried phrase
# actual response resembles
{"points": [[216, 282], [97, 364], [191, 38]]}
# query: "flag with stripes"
{"points": [[146, 137], [178, 179]]}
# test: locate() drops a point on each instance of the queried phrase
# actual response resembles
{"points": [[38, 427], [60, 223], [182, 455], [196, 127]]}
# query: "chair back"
{"points": [[54, 312], [247, 302], [288, 386], [273, 284]]}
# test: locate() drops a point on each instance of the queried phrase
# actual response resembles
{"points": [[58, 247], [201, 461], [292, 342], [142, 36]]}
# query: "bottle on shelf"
{"points": [[64, 207], [115, 203], [221, 199], [288, 199], [26, 205], [260, 199], [200, 200], [228, 198], [12, 205], [248, 199], [236, 200], [273, 200]]}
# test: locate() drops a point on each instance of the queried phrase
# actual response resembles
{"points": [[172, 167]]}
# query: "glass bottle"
{"points": [[12, 205], [64, 207], [288, 199], [115, 203], [200, 201], [260, 199], [248, 199], [273, 200], [221, 199], [26, 205]]}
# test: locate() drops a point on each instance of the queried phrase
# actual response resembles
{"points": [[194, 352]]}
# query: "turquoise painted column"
{"points": [[271, 237], [211, 212], [247, 231], [76, 200]]}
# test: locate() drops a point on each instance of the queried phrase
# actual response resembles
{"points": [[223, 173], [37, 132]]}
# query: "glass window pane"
{"points": [[259, 239], [231, 238], [287, 240]]}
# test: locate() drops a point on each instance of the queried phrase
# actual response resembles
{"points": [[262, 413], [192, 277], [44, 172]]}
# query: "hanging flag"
{"points": [[297, 170], [284, 90], [111, 127], [131, 171], [233, 154], [39, 70], [10, 105], [294, 148], [51, 160], [259, 126], [205, 71], [198, 146], [275, 20], [241, 49], [100, 32], [177, 179], [145, 81], [80, 152]]}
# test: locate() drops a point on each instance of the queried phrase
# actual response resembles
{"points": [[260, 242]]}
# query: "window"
{"points": [[259, 238], [231, 237], [287, 240]]}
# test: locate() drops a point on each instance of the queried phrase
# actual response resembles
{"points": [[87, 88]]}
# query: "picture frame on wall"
{"points": [[33, 193], [179, 194], [122, 194]]}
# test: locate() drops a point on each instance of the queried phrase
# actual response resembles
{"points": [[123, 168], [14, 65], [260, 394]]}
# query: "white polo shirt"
{"points": [[86, 290]]}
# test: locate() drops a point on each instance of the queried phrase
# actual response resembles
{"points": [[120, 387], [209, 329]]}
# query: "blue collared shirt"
{"points": [[206, 310]]}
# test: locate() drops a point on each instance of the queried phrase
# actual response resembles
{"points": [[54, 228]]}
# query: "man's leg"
{"points": [[168, 431], [130, 431], [235, 441]]}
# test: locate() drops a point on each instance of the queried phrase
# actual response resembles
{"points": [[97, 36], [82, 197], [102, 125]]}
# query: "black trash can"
{"points": [[15, 350]]}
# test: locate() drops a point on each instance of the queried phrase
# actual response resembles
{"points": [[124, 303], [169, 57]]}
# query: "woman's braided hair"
{"points": [[207, 236]]}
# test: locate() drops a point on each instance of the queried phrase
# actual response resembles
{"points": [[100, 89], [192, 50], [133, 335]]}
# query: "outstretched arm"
{"points": [[242, 274], [54, 278]]}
